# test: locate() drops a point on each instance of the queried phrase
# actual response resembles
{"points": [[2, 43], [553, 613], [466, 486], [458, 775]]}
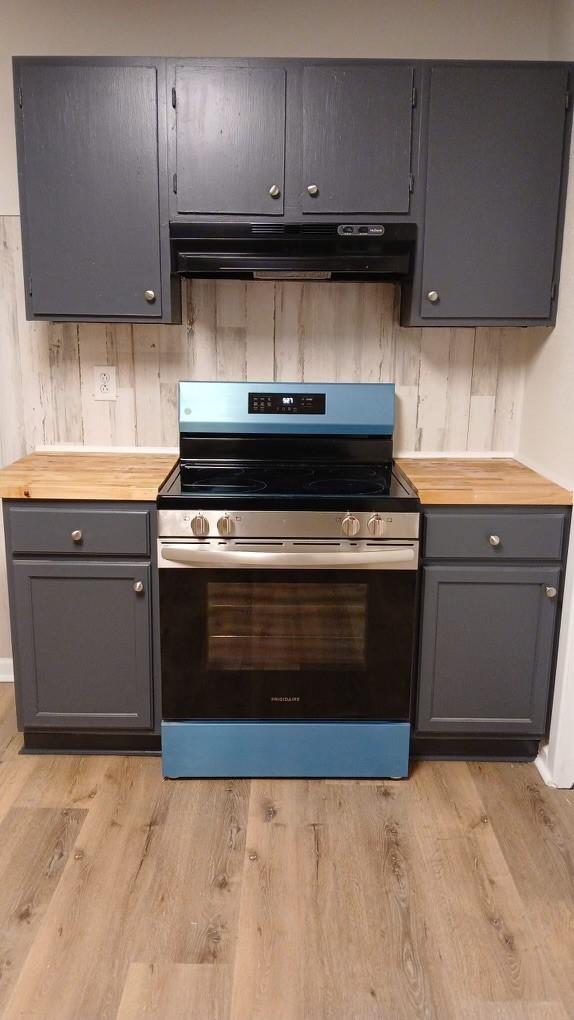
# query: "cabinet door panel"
{"points": [[356, 138], [89, 166], [83, 645], [486, 649], [230, 139], [495, 144]]}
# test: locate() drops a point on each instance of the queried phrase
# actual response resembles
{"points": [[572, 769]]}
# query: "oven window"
{"points": [[291, 626]]}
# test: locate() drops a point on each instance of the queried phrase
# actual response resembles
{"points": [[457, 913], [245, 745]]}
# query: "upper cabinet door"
{"points": [[230, 139], [495, 149], [88, 160], [356, 141]]}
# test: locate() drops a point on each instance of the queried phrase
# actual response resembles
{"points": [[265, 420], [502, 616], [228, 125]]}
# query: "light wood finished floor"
{"points": [[126, 897]]}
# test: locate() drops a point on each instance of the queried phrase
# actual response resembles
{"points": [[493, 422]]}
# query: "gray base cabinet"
{"points": [[486, 649], [84, 651], [491, 591], [82, 596]]}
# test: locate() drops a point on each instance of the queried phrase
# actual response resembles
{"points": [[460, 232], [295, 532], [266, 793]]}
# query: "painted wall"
{"points": [[361, 28]]}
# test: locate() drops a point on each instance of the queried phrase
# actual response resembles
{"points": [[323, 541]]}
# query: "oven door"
{"points": [[287, 630]]}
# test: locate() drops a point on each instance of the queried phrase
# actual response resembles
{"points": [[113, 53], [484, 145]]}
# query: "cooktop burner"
{"points": [[346, 486], [286, 480], [282, 485]]}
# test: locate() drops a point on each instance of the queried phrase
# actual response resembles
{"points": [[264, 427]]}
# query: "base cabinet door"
{"points": [[486, 649], [82, 636]]}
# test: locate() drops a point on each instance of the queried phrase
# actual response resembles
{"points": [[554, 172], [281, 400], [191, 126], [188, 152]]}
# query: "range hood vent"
{"points": [[291, 251]]}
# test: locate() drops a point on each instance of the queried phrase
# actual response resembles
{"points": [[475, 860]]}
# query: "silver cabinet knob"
{"points": [[200, 525], [149, 295], [494, 540], [138, 587], [350, 525], [433, 296], [313, 189], [551, 591], [376, 526], [274, 191], [76, 536], [225, 525]]}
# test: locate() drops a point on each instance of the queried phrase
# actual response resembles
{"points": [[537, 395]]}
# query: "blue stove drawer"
{"points": [[287, 749]]}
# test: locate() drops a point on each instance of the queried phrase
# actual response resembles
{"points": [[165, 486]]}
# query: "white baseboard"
{"points": [[6, 671]]}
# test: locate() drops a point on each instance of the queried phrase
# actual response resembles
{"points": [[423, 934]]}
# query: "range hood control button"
{"points": [[351, 526], [376, 526], [225, 526], [200, 525]]}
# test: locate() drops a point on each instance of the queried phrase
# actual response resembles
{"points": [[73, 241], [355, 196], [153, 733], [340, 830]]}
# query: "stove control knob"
{"points": [[351, 526], [200, 525], [376, 526], [225, 526]]}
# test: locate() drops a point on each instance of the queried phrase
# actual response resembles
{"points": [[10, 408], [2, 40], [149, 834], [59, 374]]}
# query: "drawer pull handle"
{"points": [[494, 540], [551, 591], [138, 587], [76, 536]]}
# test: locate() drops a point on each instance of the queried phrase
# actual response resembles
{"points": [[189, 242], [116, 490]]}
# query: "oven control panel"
{"points": [[286, 403], [283, 525]]}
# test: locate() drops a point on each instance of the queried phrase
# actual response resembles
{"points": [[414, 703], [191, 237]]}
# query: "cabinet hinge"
{"points": [[175, 184], [553, 290], [173, 98], [20, 96], [414, 97], [411, 183], [30, 286], [566, 101]]}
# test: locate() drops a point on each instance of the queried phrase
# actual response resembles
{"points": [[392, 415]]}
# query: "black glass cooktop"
{"points": [[299, 486]]}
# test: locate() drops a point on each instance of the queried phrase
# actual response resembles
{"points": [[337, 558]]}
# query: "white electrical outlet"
{"points": [[105, 382]]}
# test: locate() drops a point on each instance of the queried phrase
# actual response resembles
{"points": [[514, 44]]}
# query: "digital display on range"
{"points": [[286, 403]]}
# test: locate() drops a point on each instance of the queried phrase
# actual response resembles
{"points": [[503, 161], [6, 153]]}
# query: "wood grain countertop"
{"points": [[90, 476], [481, 481], [138, 476]]}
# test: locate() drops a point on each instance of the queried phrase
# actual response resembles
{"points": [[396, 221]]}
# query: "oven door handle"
{"points": [[207, 556]]}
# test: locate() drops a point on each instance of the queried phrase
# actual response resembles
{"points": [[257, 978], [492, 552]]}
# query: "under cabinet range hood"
{"points": [[293, 251]]}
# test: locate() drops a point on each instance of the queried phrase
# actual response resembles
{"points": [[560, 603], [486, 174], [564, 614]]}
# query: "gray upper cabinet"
{"points": [[230, 139], [92, 142], [356, 138], [486, 649], [495, 151], [82, 639]]}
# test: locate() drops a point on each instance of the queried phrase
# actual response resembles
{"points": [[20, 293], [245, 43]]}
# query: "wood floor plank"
{"points": [[78, 964], [532, 826], [332, 924], [197, 850], [513, 1011], [489, 946], [166, 991], [35, 844], [10, 739]]}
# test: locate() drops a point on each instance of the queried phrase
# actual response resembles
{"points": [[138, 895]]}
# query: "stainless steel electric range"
{"points": [[288, 552]]}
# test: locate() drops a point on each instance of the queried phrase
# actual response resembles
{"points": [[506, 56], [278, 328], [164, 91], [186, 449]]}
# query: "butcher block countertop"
{"points": [[488, 481], [92, 476], [138, 476]]}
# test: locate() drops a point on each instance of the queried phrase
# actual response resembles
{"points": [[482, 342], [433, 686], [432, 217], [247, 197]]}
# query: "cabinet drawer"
{"points": [[473, 535], [79, 532]]}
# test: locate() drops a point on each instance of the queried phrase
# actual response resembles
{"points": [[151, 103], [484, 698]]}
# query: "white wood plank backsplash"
{"points": [[457, 389]]}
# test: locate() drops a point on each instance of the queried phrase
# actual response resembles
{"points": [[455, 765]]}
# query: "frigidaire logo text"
{"points": [[286, 699]]}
